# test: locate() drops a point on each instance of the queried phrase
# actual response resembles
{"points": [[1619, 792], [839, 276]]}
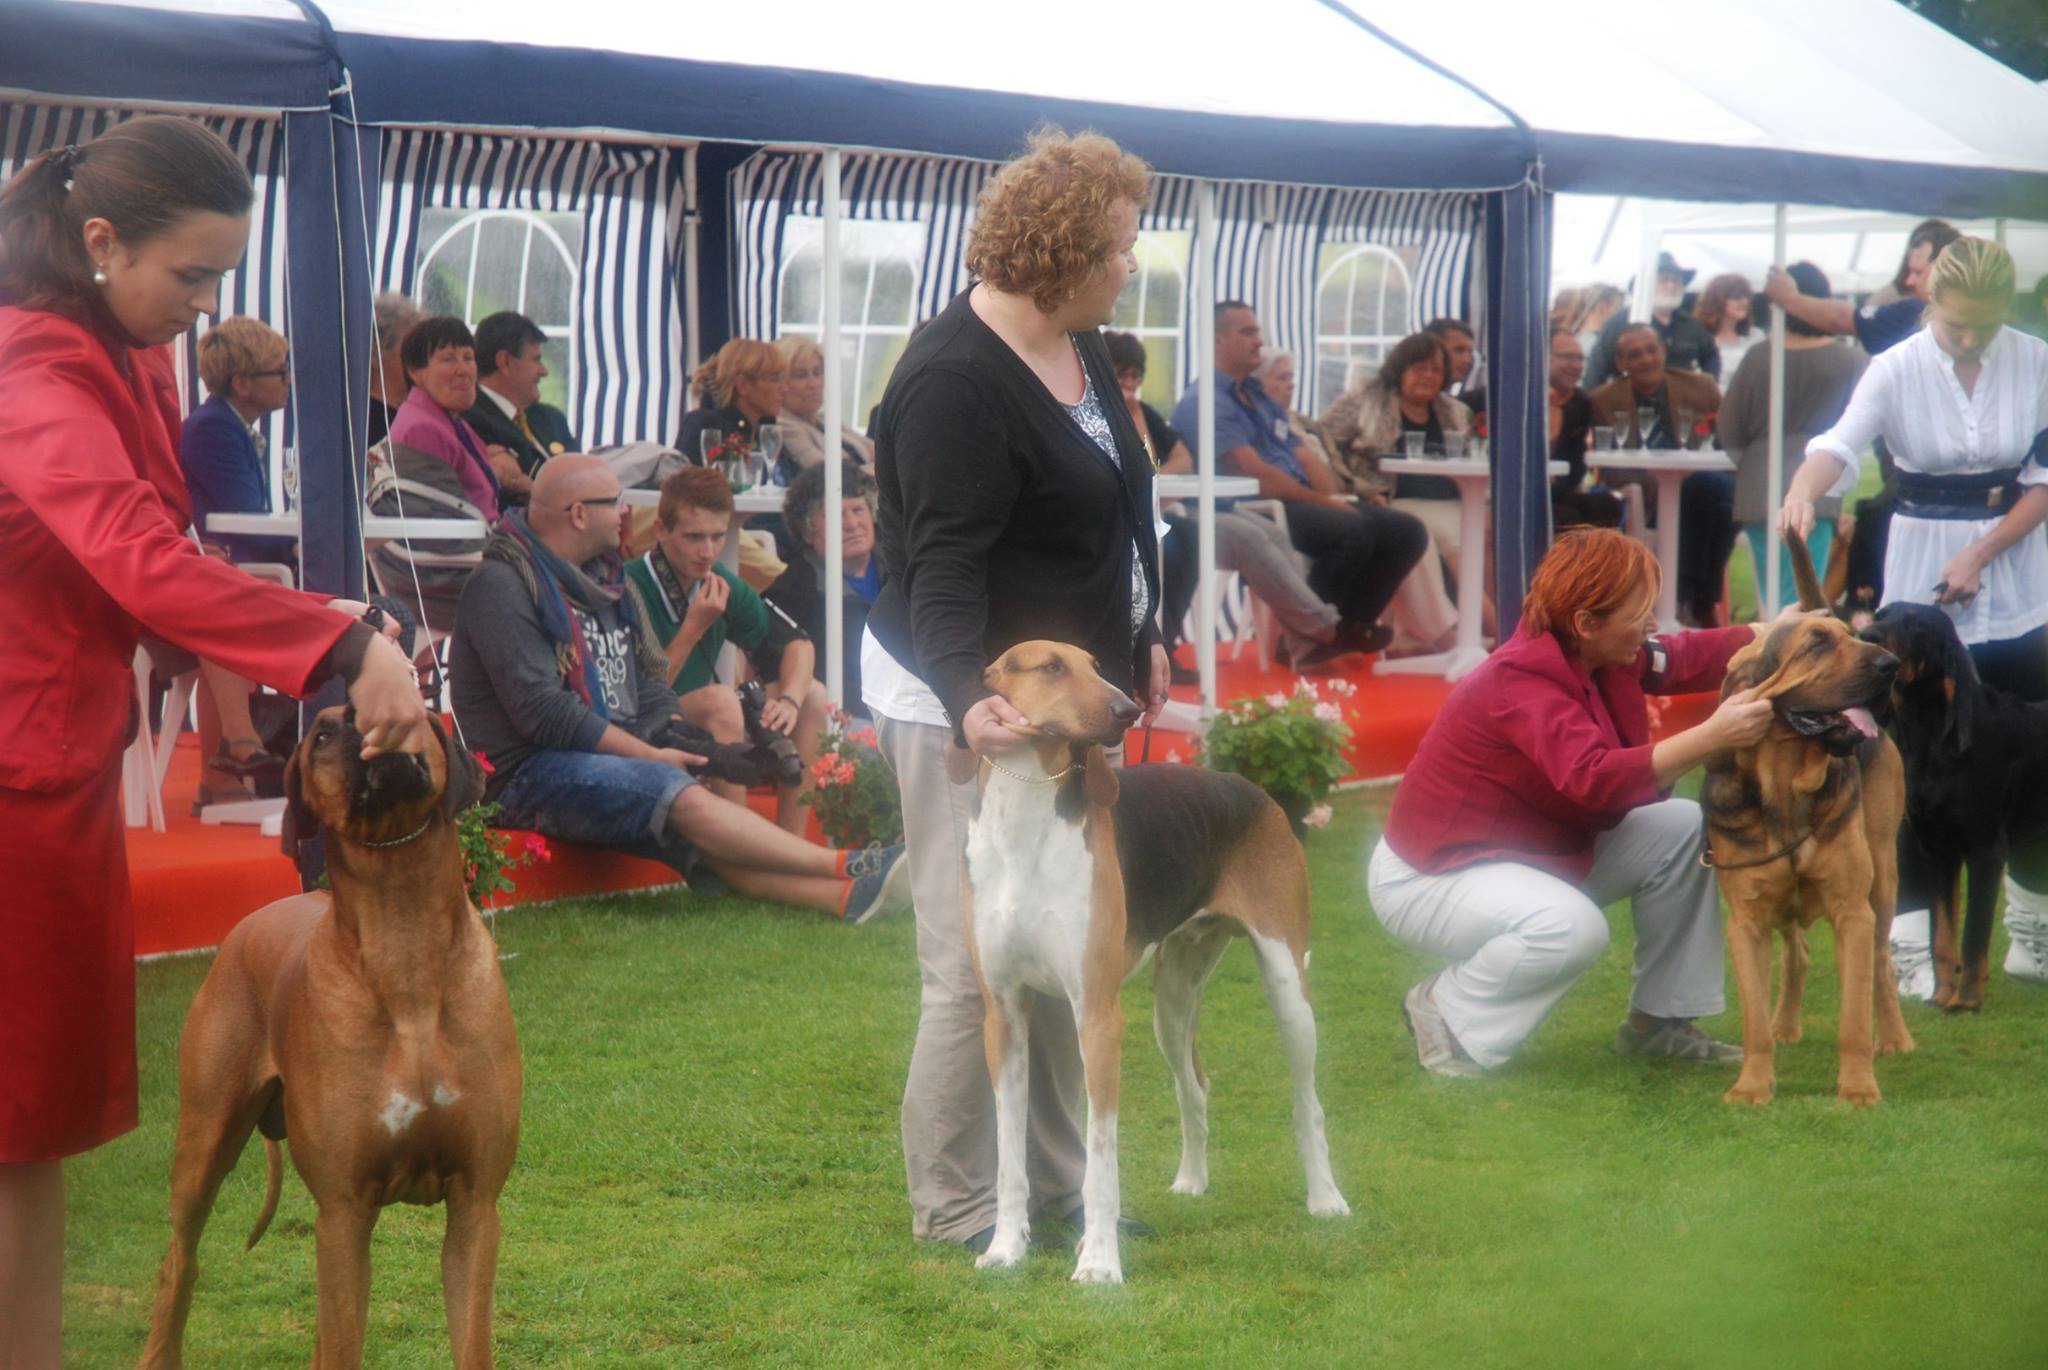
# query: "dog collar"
{"points": [[1029, 779], [401, 841]]}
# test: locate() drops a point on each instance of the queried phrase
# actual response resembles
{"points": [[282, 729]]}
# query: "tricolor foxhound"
{"points": [[1077, 873]]}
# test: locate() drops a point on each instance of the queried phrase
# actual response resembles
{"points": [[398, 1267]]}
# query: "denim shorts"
{"points": [[600, 801]]}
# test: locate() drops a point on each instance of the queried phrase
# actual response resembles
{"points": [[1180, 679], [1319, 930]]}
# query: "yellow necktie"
{"points": [[527, 429]]}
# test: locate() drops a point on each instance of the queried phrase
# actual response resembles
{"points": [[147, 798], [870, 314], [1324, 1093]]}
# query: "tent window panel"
{"points": [[1150, 307], [1363, 294], [475, 262], [878, 270]]}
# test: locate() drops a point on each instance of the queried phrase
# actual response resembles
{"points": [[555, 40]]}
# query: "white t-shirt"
{"points": [[1910, 396], [892, 691]]}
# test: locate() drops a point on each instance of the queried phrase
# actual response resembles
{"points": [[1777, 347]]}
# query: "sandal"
{"points": [[258, 762]]}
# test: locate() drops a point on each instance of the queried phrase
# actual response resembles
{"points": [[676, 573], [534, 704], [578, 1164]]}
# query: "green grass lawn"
{"points": [[710, 1174]]}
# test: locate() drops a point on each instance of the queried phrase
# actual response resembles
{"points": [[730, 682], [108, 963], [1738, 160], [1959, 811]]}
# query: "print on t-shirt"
{"points": [[610, 649]]}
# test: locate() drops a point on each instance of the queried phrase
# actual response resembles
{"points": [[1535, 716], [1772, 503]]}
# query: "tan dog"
{"points": [[1805, 825], [1077, 872], [372, 1027]]}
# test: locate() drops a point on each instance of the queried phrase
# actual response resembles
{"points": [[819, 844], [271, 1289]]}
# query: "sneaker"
{"points": [[1673, 1039], [881, 883], [1436, 1050]]}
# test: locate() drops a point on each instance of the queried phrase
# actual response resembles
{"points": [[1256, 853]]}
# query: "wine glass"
{"points": [[1646, 421], [771, 447], [707, 443]]}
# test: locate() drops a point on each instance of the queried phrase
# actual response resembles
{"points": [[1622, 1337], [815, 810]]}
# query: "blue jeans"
{"points": [[600, 801], [1761, 535]]}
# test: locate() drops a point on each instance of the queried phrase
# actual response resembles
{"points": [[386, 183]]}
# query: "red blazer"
{"points": [[93, 513], [1532, 756]]}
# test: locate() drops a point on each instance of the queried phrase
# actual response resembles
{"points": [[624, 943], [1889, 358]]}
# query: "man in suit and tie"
{"points": [[519, 431]]}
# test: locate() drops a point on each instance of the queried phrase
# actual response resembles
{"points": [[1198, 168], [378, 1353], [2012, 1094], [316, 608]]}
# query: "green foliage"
{"points": [[1289, 745], [855, 795], [489, 855]]}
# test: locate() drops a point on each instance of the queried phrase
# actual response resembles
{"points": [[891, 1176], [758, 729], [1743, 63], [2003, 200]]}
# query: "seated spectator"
{"points": [[1585, 313], [1358, 552], [803, 405], [1368, 423], [1537, 797], [246, 367], [1573, 416], [1251, 544], [1877, 326], [1819, 378], [696, 606], [1687, 344], [1457, 338], [439, 355], [395, 316], [557, 680], [737, 391], [519, 432], [1678, 402], [800, 591], [1724, 311]]}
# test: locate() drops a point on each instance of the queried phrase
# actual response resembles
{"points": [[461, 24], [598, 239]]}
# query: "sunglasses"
{"points": [[280, 372]]}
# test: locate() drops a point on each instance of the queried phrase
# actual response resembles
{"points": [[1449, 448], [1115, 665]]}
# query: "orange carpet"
{"points": [[193, 883]]}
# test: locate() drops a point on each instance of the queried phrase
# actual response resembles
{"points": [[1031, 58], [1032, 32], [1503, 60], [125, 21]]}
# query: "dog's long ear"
{"points": [[1771, 665], [300, 822], [1810, 596], [464, 783], [1100, 777], [1751, 665], [1963, 687]]}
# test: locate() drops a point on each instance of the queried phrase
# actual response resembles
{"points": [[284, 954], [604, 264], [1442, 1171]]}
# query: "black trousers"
{"points": [[1706, 536], [1358, 557], [1179, 574]]}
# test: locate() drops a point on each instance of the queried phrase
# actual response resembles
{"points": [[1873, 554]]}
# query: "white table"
{"points": [[759, 499], [1669, 469], [1474, 478], [1190, 487]]}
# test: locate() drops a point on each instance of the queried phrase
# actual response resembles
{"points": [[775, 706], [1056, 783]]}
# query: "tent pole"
{"points": [[1205, 439], [692, 340], [1640, 304], [1998, 231], [835, 407], [1774, 431]]}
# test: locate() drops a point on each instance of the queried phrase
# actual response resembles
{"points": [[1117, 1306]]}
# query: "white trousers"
{"points": [[1519, 937]]}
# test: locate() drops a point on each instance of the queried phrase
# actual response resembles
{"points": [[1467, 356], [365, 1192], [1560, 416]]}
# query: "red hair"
{"points": [[1598, 570]]}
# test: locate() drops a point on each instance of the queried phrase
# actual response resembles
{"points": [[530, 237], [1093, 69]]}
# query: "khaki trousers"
{"points": [[949, 1106]]}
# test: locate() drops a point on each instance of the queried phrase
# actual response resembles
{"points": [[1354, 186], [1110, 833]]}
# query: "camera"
{"points": [[765, 758]]}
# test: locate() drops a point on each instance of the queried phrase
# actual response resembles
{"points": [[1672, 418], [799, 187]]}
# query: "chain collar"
{"points": [[401, 841], [1030, 779]]}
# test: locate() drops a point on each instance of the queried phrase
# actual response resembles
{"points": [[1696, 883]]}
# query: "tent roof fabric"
{"points": [[1850, 102]]}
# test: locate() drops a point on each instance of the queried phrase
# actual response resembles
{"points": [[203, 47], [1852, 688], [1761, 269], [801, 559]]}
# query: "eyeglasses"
{"points": [[608, 499], [280, 372]]}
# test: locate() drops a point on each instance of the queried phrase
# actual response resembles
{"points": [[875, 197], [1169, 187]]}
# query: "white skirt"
{"points": [[2013, 598]]}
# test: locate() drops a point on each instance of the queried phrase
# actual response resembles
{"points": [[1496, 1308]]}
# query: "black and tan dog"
{"points": [[1976, 788], [372, 1027], [1803, 826], [1078, 872]]}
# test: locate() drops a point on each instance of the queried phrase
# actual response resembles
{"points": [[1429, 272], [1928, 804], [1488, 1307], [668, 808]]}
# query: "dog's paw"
{"points": [[1890, 1045], [1092, 1271], [1328, 1205], [1754, 1093], [1858, 1093], [1788, 1032], [1185, 1183], [1003, 1253]]}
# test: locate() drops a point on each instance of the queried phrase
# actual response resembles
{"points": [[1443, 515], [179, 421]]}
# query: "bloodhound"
{"points": [[1804, 825]]}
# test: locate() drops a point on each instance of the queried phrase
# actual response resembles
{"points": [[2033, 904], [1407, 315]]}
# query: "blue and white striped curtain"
{"points": [[1435, 230], [627, 384], [255, 288]]}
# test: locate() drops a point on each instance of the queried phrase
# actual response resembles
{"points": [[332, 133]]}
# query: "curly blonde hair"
{"points": [[718, 379], [1044, 227]]}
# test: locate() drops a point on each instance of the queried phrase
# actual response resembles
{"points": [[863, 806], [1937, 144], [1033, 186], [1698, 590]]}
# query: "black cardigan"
{"points": [[1001, 521]]}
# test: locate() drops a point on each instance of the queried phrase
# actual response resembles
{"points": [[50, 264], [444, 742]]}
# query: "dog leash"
{"points": [[1707, 852]]}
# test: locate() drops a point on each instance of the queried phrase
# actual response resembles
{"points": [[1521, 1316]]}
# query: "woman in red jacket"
{"points": [[107, 252], [1537, 797]]}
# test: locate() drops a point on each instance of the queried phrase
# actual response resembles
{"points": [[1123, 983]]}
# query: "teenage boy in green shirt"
{"points": [[696, 605]]}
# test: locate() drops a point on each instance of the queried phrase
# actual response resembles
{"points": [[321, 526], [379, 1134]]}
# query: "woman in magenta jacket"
{"points": [[1537, 797], [107, 252]]}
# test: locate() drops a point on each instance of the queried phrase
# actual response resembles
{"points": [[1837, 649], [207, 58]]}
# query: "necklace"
{"points": [[1029, 779], [399, 842]]}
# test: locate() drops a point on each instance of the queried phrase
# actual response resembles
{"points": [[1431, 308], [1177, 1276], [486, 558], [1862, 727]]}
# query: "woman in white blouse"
{"points": [[1962, 405]]}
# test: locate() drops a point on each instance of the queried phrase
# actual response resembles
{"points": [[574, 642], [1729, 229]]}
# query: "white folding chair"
{"points": [[148, 758]]}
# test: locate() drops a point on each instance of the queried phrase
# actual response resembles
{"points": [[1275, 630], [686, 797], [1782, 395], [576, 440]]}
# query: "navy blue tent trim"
{"points": [[139, 56], [413, 81], [1517, 348]]}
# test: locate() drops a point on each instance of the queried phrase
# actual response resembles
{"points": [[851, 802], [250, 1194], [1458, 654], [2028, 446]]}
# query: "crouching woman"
{"points": [[1537, 797]]}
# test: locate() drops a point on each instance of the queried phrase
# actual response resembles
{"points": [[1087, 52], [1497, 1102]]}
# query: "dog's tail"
{"points": [[275, 1158], [1810, 596]]}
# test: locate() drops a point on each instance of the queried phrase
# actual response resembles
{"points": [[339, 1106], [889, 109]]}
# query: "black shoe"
{"points": [[1369, 638], [1126, 1225], [978, 1243], [1318, 657]]}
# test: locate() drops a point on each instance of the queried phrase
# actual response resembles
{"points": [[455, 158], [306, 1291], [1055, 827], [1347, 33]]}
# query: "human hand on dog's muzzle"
{"points": [[385, 700]]}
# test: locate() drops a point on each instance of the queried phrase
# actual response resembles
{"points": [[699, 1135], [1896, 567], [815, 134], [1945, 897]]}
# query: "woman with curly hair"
{"points": [[1724, 311], [1016, 503]]}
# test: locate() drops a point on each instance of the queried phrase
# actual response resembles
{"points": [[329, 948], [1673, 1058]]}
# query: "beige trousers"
{"points": [[949, 1106]]}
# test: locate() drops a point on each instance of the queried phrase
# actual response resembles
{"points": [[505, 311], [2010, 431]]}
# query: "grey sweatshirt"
{"points": [[508, 691]]}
